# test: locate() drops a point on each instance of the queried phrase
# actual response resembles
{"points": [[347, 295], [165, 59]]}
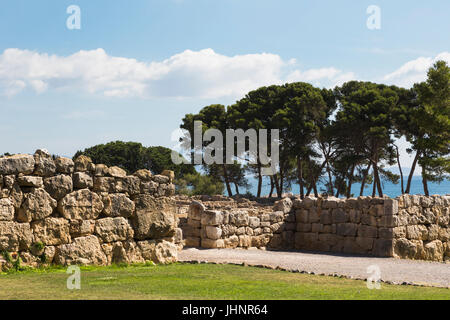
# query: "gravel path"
{"points": [[392, 270]]}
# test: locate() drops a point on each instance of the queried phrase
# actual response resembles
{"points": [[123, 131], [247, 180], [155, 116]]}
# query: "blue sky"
{"points": [[136, 67]]}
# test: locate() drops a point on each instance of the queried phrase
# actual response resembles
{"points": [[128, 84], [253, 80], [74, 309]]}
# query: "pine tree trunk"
{"points": [[271, 187], [227, 181], [400, 169], [363, 183], [300, 177], [259, 181], [350, 182], [425, 182], [378, 181], [411, 174]]}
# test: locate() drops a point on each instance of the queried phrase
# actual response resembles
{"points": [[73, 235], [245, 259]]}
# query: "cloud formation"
{"points": [[414, 71], [200, 74], [190, 74]]}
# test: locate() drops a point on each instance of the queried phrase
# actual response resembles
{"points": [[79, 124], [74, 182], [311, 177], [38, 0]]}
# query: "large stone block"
{"points": [[80, 205], [83, 250], [213, 232], [19, 163], [44, 164], [113, 229], [212, 244], [283, 205], [212, 218], [155, 218], [82, 180], [339, 216], [30, 181], [37, 204], [58, 186], [81, 228], [367, 231], [15, 236], [196, 210], [383, 248], [64, 165], [346, 229], [51, 231], [118, 205], [83, 164], [6, 209]]}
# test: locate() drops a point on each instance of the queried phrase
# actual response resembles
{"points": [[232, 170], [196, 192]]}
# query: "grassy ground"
{"points": [[198, 281]]}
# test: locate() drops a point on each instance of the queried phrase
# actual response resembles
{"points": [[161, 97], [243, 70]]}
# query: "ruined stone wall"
{"points": [[76, 212], [239, 224], [414, 227]]}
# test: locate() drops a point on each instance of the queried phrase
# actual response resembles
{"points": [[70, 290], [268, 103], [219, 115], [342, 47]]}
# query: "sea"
{"points": [[390, 189]]}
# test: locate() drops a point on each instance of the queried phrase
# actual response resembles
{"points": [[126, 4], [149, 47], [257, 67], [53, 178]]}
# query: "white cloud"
{"points": [[200, 74], [414, 71], [193, 74], [328, 77]]}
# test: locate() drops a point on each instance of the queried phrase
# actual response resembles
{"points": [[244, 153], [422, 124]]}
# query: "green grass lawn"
{"points": [[198, 281]]}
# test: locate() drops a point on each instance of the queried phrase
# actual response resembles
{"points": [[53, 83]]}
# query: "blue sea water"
{"points": [[390, 189]]}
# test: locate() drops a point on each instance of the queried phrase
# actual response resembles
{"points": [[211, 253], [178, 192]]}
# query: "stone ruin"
{"points": [[76, 212], [410, 226], [64, 212]]}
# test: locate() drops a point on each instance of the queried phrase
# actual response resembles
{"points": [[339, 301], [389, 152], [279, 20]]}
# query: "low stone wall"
{"points": [[75, 212], [414, 227]]}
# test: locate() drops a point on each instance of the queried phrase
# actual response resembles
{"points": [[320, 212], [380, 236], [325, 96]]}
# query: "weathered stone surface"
{"points": [[64, 165], [30, 181], [253, 222], [165, 253], [212, 244], [213, 218], [155, 218], [168, 173], [51, 231], [143, 174], [15, 236], [116, 172], [49, 252], [83, 163], [83, 250], [213, 232], [284, 205], [81, 204], [118, 205], [434, 251], [58, 186], [19, 163], [82, 180], [113, 229], [81, 228], [6, 209], [37, 205], [196, 210], [44, 164], [104, 184], [194, 242], [100, 170], [161, 179]]}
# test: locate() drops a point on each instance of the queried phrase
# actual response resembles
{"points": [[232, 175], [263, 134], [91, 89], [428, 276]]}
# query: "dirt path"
{"points": [[392, 270]]}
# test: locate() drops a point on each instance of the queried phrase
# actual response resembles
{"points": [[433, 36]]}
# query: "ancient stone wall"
{"points": [[414, 227], [77, 212]]}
